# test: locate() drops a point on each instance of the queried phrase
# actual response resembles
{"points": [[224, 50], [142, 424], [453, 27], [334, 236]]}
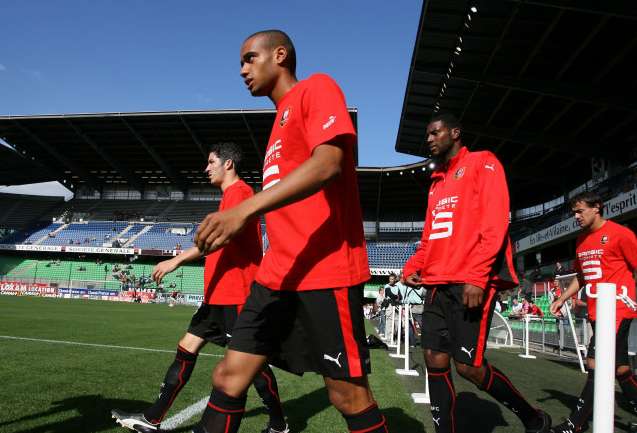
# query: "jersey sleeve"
{"points": [[417, 261], [494, 219], [325, 113], [628, 247]]}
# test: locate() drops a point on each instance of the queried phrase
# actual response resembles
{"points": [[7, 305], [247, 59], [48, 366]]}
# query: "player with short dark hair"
{"points": [[464, 258], [305, 308], [228, 274], [606, 253]]}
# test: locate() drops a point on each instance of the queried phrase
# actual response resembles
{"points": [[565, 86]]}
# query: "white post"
{"points": [[391, 334], [406, 371], [399, 321], [419, 397], [578, 347], [526, 354], [604, 397]]}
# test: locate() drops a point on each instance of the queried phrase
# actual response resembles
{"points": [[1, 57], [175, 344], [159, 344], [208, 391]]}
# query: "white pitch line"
{"points": [[181, 417], [106, 346]]}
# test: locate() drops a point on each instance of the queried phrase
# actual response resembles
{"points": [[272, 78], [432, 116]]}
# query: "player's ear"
{"points": [[455, 133], [228, 164], [280, 54]]}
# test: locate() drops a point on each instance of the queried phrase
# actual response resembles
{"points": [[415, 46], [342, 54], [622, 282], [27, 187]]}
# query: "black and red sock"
{"points": [[583, 409], [443, 399], [628, 384], [223, 413], [370, 420], [266, 386], [498, 386], [176, 377]]}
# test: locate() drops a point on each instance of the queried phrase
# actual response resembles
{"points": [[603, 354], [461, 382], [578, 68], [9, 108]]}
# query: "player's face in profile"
{"points": [[257, 66], [214, 169], [584, 215], [439, 139]]}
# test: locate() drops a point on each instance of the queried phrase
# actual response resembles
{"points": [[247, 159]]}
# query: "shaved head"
{"points": [[278, 38]]}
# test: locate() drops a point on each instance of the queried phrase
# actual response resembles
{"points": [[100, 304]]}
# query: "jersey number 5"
{"points": [[592, 270], [441, 229]]}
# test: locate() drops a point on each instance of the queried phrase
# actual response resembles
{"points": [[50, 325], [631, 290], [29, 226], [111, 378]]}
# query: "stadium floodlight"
{"points": [[474, 9], [432, 165]]}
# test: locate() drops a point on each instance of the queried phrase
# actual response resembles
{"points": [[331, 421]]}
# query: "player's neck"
{"points": [[284, 84], [230, 179], [598, 224]]}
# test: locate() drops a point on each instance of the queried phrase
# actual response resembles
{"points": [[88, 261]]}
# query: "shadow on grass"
{"points": [[474, 414], [568, 400], [86, 413]]}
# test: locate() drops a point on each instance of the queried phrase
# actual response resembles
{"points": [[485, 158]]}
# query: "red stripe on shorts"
{"points": [[484, 332], [351, 348]]}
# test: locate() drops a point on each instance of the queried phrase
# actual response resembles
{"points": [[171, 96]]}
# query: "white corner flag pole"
{"points": [[604, 398], [578, 347]]}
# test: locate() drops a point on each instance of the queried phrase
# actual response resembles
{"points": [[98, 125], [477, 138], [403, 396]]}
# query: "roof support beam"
{"points": [[167, 169], [194, 136], [63, 160], [591, 95], [587, 6], [257, 149], [133, 179]]}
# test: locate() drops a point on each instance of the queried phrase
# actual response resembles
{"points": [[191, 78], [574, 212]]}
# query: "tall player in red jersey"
{"points": [[606, 253], [305, 307], [228, 274], [463, 259]]}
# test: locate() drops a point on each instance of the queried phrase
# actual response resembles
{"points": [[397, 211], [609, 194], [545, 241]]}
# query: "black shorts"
{"points": [[621, 343], [448, 326], [214, 323], [318, 330]]}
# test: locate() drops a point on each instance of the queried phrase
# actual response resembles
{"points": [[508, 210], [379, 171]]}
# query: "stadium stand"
{"points": [[22, 211]]}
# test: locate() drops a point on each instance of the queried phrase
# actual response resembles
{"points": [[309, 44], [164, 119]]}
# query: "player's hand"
{"points": [[163, 268], [472, 296], [218, 228], [556, 308], [413, 280]]}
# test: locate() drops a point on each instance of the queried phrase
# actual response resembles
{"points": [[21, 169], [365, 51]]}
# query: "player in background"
{"points": [[305, 306], [463, 259], [606, 253], [228, 274]]}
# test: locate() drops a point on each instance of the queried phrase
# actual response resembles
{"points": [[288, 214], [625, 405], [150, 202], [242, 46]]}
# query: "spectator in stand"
{"points": [[392, 290], [516, 309], [559, 269], [534, 310]]}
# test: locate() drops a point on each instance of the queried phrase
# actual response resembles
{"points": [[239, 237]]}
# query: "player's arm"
{"points": [[311, 176], [167, 266], [571, 290]]}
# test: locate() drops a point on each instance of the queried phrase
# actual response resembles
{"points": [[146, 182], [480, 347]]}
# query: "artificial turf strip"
{"points": [[59, 388]]}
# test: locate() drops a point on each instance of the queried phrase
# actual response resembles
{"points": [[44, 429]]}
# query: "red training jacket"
{"points": [[465, 238]]}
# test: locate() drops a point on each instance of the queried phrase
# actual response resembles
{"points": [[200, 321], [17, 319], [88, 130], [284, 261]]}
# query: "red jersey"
{"points": [[608, 255], [317, 242], [229, 271], [465, 237]]}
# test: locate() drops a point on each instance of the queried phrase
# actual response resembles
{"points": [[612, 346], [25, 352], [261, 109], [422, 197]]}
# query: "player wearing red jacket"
{"points": [[463, 259], [228, 274], [606, 253], [305, 306]]}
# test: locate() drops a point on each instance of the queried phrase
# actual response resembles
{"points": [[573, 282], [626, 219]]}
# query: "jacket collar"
{"points": [[440, 172]]}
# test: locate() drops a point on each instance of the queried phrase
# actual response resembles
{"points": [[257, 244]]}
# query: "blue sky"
{"points": [[151, 55]]}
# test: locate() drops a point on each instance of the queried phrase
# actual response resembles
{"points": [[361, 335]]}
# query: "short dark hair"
{"points": [[276, 38], [228, 150], [592, 199], [448, 119]]}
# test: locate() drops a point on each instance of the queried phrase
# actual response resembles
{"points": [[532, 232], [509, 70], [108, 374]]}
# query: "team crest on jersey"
{"points": [[285, 116], [604, 239], [459, 173]]}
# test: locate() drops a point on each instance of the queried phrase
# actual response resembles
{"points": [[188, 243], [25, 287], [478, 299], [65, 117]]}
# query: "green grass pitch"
{"points": [[68, 388]]}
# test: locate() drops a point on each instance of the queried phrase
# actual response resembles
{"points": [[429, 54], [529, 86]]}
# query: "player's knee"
{"points": [[436, 359], [622, 369], [469, 372], [350, 400], [221, 375]]}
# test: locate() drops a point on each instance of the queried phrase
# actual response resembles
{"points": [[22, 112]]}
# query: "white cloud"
{"points": [[2, 67]]}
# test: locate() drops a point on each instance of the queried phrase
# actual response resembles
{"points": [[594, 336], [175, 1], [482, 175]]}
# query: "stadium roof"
{"points": [[137, 149], [18, 169], [546, 85]]}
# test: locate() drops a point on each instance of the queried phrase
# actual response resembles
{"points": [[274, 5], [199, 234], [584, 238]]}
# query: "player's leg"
{"points": [[334, 323], [625, 377], [254, 336], [469, 329], [435, 343]]}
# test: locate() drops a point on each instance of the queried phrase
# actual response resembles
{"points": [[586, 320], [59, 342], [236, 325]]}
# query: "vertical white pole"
{"points": [[604, 400], [391, 333], [527, 321], [406, 371], [398, 336]]}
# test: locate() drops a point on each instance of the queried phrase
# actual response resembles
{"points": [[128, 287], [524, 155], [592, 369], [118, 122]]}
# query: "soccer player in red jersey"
{"points": [[463, 259], [305, 308], [228, 274], [606, 253]]}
